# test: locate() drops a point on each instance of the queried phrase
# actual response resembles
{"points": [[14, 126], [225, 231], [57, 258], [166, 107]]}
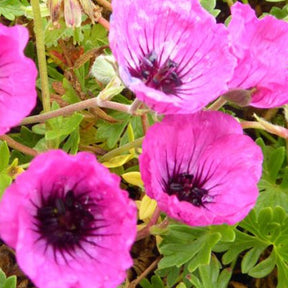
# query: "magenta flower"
{"points": [[173, 55], [201, 169], [69, 222], [17, 77], [260, 46]]}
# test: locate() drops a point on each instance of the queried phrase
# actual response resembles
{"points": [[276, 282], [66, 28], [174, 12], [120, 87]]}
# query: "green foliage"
{"points": [[263, 244], [5, 180], [94, 36], [280, 13], [61, 127], [210, 5], [156, 282], [9, 282], [111, 132], [210, 275], [274, 182], [191, 246], [52, 35], [11, 9]]}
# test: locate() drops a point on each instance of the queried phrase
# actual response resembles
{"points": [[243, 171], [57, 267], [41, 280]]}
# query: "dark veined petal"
{"points": [[69, 222], [200, 168], [173, 55]]}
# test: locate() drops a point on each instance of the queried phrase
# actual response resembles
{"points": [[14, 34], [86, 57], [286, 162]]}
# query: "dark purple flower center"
{"points": [[186, 188], [161, 77], [67, 222]]}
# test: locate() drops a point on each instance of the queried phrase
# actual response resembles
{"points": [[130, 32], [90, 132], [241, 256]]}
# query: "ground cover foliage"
{"points": [[166, 253]]}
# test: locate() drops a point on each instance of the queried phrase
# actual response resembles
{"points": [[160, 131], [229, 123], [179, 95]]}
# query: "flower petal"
{"points": [[98, 261], [211, 148], [185, 34], [17, 77], [260, 48]]}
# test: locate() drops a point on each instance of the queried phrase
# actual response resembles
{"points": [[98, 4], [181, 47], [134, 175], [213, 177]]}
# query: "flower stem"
{"points": [[251, 124], [219, 103], [143, 233], [105, 4], [264, 125], [67, 110], [150, 268], [120, 150], [104, 23], [40, 46], [145, 123], [18, 146], [230, 2], [135, 105]]}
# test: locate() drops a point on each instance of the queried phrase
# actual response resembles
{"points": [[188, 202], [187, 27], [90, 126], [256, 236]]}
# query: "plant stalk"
{"points": [[40, 46]]}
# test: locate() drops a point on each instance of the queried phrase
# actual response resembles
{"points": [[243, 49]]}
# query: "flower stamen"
{"points": [[64, 222], [161, 77], [184, 186]]}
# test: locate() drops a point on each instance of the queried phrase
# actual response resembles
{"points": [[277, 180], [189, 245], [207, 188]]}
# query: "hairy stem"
{"points": [[104, 23], [105, 4], [40, 46], [146, 231], [150, 268], [68, 110], [120, 150], [219, 103], [18, 146]]}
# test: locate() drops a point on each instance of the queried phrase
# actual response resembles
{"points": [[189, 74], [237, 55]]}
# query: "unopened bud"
{"points": [[239, 97]]}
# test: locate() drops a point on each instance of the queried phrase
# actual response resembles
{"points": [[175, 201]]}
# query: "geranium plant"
{"points": [[117, 170]]}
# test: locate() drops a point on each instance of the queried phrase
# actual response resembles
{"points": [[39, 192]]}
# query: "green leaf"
{"points": [[27, 137], [70, 94], [227, 232], [274, 182], [209, 5], [11, 9], [172, 276], [181, 285], [71, 144], [275, 162], [95, 37], [203, 257], [2, 278], [276, 1], [4, 155], [242, 242], [250, 259], [183, 243], [224, 278], [282, 274], [111, 132], [207, 276], [10, 282], [279, 14], [5, 181], [52, 35], [264, 267], [67, 126], [156, 282]]}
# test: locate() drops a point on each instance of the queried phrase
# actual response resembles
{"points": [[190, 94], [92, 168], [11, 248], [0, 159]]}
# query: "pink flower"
{"points": [[260, 46], [173, 55], [69, 222], [201, 169], [17, 77]]}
